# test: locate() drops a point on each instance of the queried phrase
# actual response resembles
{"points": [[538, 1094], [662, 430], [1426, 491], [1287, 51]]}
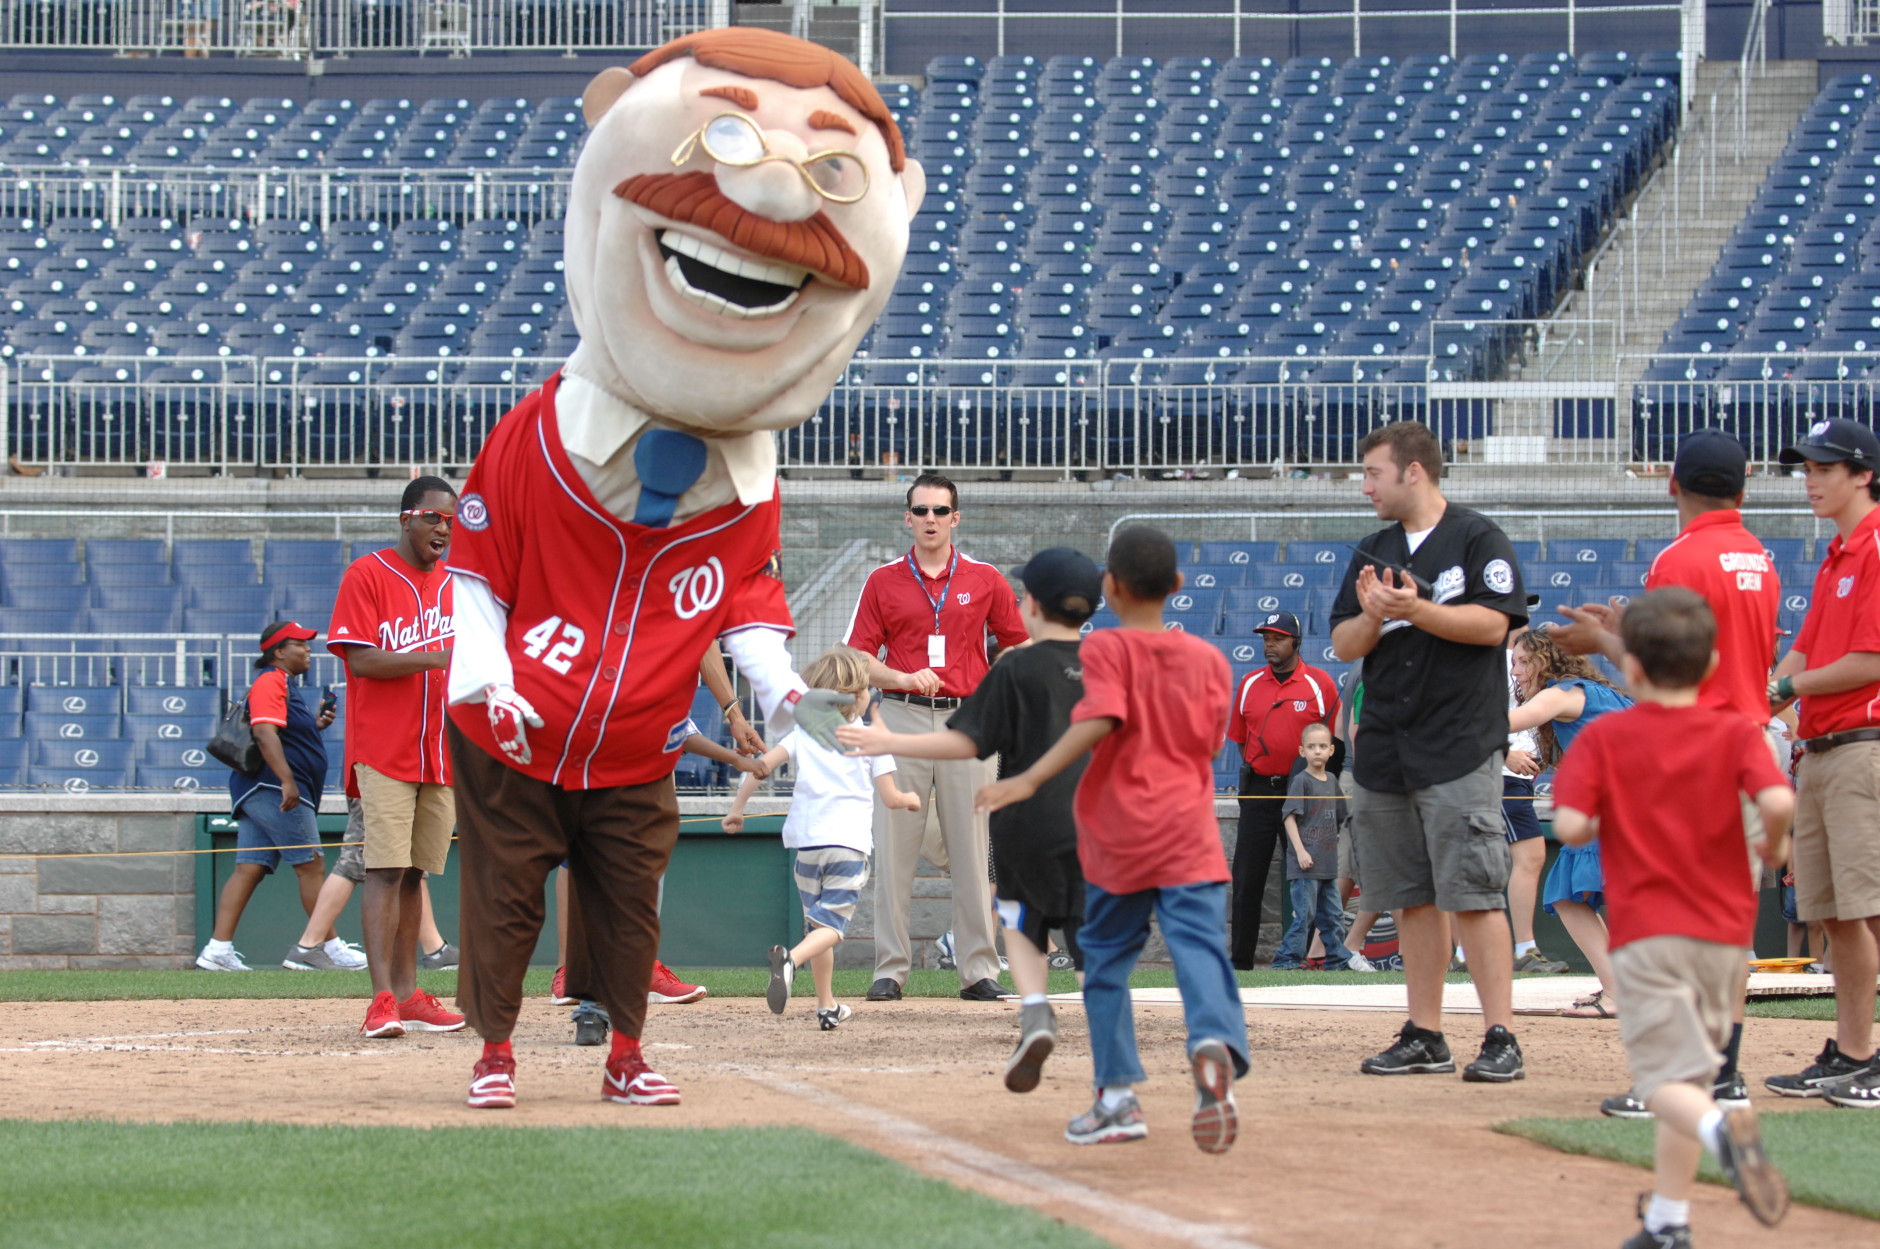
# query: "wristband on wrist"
{"points": [[728, 707], [1785, 688]]}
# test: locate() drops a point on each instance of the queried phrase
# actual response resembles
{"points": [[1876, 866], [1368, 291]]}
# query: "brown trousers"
{"points": [[513, 831]]}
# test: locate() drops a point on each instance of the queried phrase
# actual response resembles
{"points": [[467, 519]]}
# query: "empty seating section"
{"points": [[1126, 224], [1786, 328]]}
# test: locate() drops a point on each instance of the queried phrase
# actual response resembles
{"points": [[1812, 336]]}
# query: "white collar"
{"points": [[595, 425]]}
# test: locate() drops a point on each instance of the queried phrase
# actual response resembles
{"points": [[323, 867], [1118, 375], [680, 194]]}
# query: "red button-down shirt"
{"points": [[897, 610], [1844, 616]]}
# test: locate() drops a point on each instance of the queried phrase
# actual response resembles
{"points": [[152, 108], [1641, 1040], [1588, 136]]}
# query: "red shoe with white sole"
{"points": [[421, 1012], [668, 988], [493, 1084], [382, 1018], [558, 988], [629, 1081]]}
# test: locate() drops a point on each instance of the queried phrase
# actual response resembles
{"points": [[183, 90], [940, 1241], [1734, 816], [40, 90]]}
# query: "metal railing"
{"points": [[86, 659], [305, 29], [1234, 29]]}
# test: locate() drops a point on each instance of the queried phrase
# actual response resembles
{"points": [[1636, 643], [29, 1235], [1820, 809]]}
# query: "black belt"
{"points": [[1822, 745], [921, 700], [1272, 782]]}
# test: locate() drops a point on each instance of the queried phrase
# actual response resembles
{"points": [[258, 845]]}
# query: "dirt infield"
{"points": [[1324, 1152]]}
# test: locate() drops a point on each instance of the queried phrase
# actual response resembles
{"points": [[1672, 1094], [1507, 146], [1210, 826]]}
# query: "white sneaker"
{"points": [[346, 955], [227, 960], [1360, 963], [943, 951]]}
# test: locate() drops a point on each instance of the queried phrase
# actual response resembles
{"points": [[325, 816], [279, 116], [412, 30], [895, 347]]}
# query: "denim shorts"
{"points": [[262, 829]]}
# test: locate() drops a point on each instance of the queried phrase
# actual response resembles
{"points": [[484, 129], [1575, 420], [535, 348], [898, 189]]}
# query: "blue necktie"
{"points": [[668, 463]]}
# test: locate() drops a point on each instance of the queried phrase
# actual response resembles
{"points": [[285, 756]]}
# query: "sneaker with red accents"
{"points": [[493, 1084], [558, 988], [421, 1012], [382, 1018], [668, 988], [629, 1081]]}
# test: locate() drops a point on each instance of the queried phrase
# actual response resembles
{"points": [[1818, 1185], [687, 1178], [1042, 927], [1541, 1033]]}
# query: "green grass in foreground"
{"points": [[1819, 1008], [108, 986], [1830, 1156], [187, 1185]]}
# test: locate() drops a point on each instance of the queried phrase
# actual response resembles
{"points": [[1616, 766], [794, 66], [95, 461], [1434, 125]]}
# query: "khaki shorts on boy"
{"points": [[407, 824], [1677, 996], [1837, 833]]}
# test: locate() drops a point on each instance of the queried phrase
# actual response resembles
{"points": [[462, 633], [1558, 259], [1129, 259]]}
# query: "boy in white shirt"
{"points": [[831, 828]]}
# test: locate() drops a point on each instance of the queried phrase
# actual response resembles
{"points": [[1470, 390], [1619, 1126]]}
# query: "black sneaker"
{"points": [[1730, 1092], [782, 972], [590, 1024], [1860, 1093], [1416, 1051], [1744, 1163], [1500, 1059], [1829, 1065], [1037, 1037], [884, 990], [987, 990], [1678, 1237], [1625, 1106]]}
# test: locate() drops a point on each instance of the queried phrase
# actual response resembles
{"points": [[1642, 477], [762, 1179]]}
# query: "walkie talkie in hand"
{"points": [[1424, 589]]}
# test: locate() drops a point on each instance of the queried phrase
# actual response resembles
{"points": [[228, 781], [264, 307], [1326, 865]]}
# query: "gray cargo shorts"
{"points": [[352, 848], [1441, 845]]}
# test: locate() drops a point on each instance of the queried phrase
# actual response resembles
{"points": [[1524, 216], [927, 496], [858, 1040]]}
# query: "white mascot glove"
{"points": [[509, 712]]}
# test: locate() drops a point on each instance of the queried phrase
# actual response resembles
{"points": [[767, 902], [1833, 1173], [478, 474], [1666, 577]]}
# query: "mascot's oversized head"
{"points": [[737, 220]]}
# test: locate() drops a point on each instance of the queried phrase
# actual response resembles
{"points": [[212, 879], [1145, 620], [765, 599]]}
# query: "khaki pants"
{"points": [[948, 784]]}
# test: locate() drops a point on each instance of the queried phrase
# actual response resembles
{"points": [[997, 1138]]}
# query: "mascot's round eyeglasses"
{"points": [[734, 139]]}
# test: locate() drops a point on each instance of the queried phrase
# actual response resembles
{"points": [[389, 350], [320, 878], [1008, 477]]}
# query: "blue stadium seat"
{"points": [[59, 726]]}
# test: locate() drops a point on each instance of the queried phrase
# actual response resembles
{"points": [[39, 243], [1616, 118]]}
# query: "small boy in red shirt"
{"points": [[1658, 785], [1154, 713]]}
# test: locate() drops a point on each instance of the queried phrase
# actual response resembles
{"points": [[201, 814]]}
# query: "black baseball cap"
{"points": [[1062, 572], [1279, 622], [1836, 441], [1711, 463]]}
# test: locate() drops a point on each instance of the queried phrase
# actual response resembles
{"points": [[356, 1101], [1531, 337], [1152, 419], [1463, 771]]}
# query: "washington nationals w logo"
{"points": [[697, 589]]}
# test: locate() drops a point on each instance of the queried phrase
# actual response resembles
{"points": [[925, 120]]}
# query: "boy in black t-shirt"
{"points": [[1018, 712]]}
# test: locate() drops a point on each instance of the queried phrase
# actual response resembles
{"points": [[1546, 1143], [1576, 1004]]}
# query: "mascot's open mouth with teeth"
{"points": [[779, 258]]}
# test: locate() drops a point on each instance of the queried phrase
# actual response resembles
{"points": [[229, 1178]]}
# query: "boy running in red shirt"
{"points": [[1658, 785], [1154, 715]]}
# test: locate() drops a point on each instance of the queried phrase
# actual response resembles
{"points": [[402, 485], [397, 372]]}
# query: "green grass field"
{"points": [[185, 1186], [1830, 1156], [108, 986]]}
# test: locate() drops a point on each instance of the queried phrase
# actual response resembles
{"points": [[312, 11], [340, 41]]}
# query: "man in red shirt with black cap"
{"points": [[1271, 710], [1834, 670]]}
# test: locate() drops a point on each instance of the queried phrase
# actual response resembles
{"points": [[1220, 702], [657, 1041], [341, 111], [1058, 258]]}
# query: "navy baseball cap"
{"points": [[1711, 463], [1062, 572], [1836, 441], [1279, 622]]}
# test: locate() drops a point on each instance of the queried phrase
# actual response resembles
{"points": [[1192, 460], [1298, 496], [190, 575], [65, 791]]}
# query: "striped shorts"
{"points": [[829, 879]]}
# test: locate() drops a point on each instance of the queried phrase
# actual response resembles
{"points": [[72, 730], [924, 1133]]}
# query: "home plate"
{"points": [[1533, 995]]}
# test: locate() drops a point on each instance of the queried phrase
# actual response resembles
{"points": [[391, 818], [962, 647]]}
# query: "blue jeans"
{"points": [[1313, 902], [262, 829], [1194, 924]]}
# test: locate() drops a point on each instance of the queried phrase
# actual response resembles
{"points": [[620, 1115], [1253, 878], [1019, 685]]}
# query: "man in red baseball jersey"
{"points": [[1271, 710], [931, 610], [393, 627], [736, 221]]}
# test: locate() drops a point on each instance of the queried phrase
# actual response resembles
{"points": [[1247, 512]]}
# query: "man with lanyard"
{"points": [[1834, 670], [1427, 603], [1724, 562], [1271, 709], [931, 610]]}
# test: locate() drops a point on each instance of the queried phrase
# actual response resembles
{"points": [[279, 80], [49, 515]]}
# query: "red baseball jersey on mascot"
{"points": [[394, 725], [607, 619]]}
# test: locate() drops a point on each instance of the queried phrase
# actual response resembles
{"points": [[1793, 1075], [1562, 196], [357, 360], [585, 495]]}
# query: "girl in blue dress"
{"points": [[1562, 694]]}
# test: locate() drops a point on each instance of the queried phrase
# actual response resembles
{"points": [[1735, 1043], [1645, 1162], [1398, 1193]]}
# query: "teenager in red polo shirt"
{"points": [[931, 610], [1270, 712], [1835, 671], [392, 626]]}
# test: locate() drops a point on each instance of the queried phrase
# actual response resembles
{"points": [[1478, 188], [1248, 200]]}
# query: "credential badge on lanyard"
{"points": [[936, 641]]}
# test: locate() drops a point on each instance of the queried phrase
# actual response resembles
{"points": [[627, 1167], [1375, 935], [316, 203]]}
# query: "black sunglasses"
{"points": [[921, 509]]}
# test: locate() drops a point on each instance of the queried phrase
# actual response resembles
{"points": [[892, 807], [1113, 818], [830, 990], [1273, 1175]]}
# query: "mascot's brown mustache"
{"points": [[694, 199]]}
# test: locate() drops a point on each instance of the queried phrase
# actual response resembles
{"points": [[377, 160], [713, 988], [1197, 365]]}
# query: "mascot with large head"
{"points": [[737, 220]]}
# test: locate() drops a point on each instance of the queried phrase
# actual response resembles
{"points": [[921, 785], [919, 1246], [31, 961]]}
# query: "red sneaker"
{"points": [[558, 988], [667, 987], [493, 1084], [629, 1081], [422, 1012], [382, 1017]]}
